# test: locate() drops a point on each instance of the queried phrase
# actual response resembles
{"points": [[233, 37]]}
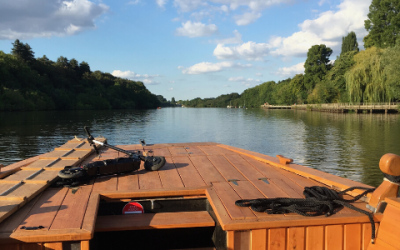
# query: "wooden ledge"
{"points": [[153, 221]]}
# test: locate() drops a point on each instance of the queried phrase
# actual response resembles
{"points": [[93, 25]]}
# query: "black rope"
{"points": [[392, 178], [318, 201]]}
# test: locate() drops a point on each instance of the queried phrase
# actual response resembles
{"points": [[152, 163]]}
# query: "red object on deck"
{"points": [[133, 208]]}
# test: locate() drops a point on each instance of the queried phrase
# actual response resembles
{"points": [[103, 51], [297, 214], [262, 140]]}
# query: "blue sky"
{"points": [[184, 48]]}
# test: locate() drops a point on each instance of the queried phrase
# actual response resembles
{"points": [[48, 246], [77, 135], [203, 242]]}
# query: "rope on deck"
{"points": [[318, 201]]}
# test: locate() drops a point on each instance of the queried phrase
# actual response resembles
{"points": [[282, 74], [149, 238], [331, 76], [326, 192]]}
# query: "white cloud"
{"points": [[237, 38], [196, 29], [224, 8], [176, 19], [170, 89], [207, 67], [328, 29], [291, 71], [161, 3], [150, 82], [189, 5], [133, 2], [243, 80], [247, 18], [134, 76], [200, 15], [259, 74], [25, 19], [250, 51]]}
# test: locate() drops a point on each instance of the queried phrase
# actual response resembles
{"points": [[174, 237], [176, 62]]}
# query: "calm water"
{"points": [[348, 145]]}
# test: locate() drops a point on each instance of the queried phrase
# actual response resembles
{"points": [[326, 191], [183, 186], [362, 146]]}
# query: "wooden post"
{"points": [[389, 164]]}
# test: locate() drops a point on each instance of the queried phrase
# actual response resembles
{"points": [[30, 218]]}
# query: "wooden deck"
{"points": [[220, 173]]}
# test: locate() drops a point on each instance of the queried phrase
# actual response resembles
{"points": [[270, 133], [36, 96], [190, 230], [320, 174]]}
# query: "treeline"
{"points": [[29, 83], [371, 75]]}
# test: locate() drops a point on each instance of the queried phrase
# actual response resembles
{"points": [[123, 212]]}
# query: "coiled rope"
{"points": [[318, 201]]}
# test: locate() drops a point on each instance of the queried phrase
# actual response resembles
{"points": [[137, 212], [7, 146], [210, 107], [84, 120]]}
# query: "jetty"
{"points": [[189, 203], [390, 107]]}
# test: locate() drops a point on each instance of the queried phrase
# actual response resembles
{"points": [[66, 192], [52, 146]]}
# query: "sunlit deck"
{"points": [[219, 173]]}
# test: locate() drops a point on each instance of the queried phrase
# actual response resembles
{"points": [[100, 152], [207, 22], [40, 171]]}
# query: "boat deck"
{"points": [[220, 173]]}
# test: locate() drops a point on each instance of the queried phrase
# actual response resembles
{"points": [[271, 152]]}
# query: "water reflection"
{"points": [[349, 145]]}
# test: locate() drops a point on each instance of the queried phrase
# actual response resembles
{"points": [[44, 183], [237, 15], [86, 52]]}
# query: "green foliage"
{"points": [[65, 85], [383, 23], [23, 51], [391, 63], [317, 65], [365, 81], [349, 43]]}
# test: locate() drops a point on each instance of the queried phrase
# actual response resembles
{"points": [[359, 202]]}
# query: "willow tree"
{"points": [[366, 80]]}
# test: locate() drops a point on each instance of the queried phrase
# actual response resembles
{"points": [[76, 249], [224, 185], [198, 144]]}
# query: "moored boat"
{"points": [[188, 204]]}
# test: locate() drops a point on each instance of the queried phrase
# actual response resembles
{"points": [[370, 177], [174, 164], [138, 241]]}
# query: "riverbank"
{"points": [[343, 107]]}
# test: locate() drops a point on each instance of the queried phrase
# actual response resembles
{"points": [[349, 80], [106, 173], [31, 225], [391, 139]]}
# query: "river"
{"points": [[348, 145]]}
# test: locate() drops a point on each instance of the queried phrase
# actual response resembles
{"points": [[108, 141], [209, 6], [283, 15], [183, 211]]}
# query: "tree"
{"points": [[84, 67], [316, 65], [74, 64], [383, 23], [45, 60], [349, 43], [22, 51], [62, 62], [173, 102]]}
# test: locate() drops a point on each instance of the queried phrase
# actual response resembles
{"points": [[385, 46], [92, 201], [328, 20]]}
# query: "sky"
{"points": [[184, 48]]}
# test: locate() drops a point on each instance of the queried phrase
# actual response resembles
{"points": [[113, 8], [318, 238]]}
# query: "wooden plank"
{"points": [[26, 190], [72, 209], [59, 165], [54, 236], [334, 237], [269, 190], [31, 246], [228, 197], [105, 183], [352, 236], [230, 240], [259, 239], [295, 238], [389, 229], [169, 175], [328, 179], [45, 209], [206, 169], [188, 173], [226, 169], [381, 245], [169, 192], [285, 184], [214, 150], [246, 190], [242, 240], [153, 221], [42, 177], [161, 152], [218, 207], [53, 246], [128, 181], [277, 239], [366, 234], [16, 166], [89, 221], [178, 151], [85, 245], [8, 207], [315, 238], [244, 167], [11, 223], [195, 151], [149, 180]]}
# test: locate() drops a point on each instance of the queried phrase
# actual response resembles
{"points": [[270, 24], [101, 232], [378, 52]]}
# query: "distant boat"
{"points": [[159, 108], [244, 105], [229, 106]]}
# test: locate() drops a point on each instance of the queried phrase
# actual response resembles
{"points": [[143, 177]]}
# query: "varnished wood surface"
{"points": [[153, 221], [224, 174]]}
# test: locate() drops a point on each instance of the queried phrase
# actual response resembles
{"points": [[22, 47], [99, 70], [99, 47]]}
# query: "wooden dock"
{"points": [[219, 173], [342, 107]]}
